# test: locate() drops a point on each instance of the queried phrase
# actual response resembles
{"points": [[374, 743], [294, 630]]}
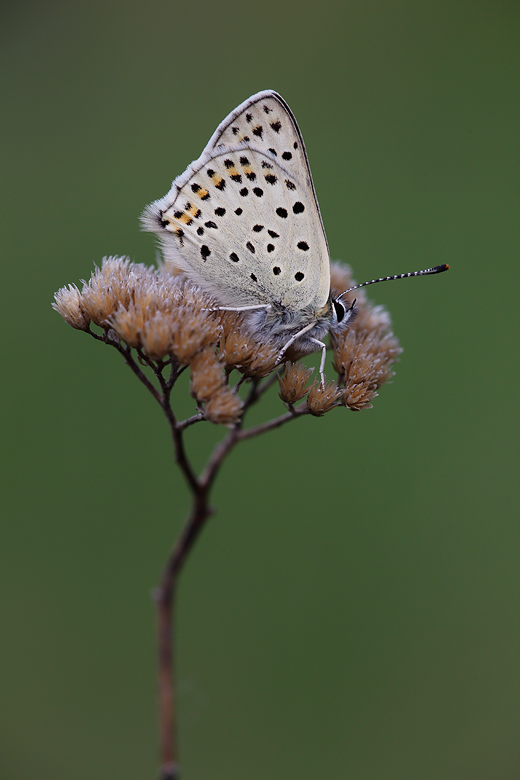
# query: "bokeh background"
{"points": [[352, 611]]}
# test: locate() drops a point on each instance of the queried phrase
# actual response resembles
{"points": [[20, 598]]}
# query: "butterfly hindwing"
{"points": [[243, 220]]}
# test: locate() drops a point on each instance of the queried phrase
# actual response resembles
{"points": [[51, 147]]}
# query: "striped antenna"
{"points": [[436, 270]]}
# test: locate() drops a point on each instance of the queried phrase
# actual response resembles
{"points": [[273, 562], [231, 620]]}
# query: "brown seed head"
{"points": [[68, 304], [293, 381], [109, 287], [155, 336], [365, 352], [322, 399], [242, 349], [224, 407], [363, 361], [207, 375], [192, 331]]}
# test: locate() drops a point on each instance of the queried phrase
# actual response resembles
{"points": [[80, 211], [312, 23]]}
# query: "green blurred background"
{"points": [[352, 611]]}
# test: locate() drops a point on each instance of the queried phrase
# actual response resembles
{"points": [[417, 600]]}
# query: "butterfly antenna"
{"points": [[436, 270]]}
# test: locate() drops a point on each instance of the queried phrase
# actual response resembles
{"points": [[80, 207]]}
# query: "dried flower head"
{"points": [[293, 382], [110, 287], [155, 337], [241, 349], [322, 399], [363, 358], [224, 408], [68, 304], [169, 319], [207, 375]]}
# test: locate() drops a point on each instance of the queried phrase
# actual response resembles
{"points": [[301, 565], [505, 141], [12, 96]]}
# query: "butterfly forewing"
{"points": [[243, 219]]}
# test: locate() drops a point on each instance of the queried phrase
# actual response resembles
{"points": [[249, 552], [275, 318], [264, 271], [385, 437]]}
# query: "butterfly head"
{"points": [[336, 315]]}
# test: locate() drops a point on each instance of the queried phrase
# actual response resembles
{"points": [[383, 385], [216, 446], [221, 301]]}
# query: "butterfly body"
{"points": [[244, 223]]}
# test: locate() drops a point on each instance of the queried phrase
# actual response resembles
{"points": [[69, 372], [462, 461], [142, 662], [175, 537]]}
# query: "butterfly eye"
{"points": [[339, 308]]}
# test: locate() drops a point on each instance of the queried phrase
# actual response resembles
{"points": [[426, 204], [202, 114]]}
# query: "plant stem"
{"points": [[165, 600], [200, 487], [166, 592]]}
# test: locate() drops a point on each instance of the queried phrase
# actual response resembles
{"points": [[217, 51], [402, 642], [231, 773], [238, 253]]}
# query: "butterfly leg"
{"points": [[322, 361], [293, 339], [241, 308]]}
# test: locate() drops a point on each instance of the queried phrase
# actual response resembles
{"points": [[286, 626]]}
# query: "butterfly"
{"points": [[243, 222]]}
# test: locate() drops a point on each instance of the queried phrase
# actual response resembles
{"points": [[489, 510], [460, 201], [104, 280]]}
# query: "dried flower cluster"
{"points": [[171, 321]]}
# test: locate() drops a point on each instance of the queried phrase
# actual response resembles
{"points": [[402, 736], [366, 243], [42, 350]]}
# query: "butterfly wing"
{"points": [[243, 220]]}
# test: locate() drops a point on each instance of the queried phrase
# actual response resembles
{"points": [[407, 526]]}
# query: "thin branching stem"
{"points": [[270, 425], [177, 436], [200, 488], [190, 421], [217, 457], [126, 352], [201, 511], [165, 600]]}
